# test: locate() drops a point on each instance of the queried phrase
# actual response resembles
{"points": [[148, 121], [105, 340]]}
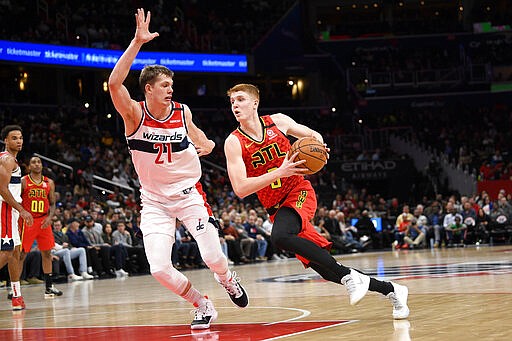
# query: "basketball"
{"points": [[311, 150]]}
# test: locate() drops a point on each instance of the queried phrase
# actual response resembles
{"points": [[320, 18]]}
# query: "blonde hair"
{"points": [[249, 88]]}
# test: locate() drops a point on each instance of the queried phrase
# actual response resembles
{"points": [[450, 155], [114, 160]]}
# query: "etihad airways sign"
{"points": [[373, 169]]}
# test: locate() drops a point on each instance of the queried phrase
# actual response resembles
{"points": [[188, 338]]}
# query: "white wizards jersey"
{"points": [[15, 183], [164, 158]]}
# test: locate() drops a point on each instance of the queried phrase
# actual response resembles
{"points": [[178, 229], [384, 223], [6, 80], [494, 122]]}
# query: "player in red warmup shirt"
{"points": [[258, 162]]}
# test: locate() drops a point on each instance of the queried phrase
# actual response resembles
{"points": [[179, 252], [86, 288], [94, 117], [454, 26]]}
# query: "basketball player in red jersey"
{"points": [[11, 209], [258, 162], [38, 197], [165, 146]]}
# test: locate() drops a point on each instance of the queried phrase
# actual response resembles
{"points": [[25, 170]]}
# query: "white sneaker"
{"points": [[234, 289], [399, 299], [121, 273], [85, 275], [73, 278], [204, 315], [356, 284]]}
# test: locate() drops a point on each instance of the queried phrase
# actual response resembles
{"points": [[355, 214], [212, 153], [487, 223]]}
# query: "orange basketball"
{"points": [[311, 150]]}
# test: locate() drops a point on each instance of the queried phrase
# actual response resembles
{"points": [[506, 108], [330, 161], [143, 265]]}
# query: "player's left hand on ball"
{"points": [[327, 149]]}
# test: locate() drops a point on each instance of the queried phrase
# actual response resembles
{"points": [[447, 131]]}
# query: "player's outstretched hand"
{"points": [[142, 33]]}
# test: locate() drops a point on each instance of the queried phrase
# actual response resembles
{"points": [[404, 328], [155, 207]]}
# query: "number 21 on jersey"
{"points": [[164, 153]]}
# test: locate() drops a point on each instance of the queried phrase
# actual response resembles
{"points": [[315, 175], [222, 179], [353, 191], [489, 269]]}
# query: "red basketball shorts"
{"points": [[44, 236], [303, 200]]}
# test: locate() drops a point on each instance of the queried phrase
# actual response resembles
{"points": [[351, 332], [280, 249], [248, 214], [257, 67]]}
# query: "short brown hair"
{"points": [[249, 88], [150, 72]]}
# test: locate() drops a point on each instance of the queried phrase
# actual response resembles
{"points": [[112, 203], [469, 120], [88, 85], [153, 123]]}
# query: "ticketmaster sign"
{"points": [[106, 59]]}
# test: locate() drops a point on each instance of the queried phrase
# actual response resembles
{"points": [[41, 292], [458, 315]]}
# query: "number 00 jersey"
{"points": [[35, 196], [264, 156], [164, 158]]}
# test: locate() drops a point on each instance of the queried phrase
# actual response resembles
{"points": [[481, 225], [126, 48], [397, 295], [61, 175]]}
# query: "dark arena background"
{"points": [[413, 98]]}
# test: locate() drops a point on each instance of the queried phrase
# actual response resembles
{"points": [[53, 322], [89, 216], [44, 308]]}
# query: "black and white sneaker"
{"points": [[204, 315], [52, 292], [235, 290]]}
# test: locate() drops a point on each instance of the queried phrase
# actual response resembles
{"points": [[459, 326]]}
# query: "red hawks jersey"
{"points": [[35, 196], [163, 156], [15, 183], [264, 156]]}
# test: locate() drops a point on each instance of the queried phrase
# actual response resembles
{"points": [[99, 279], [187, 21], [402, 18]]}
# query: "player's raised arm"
{"points": [[123, 103], [288, 126]]}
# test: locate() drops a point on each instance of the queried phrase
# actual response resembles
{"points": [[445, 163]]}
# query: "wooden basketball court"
{"points": [[454, 294]]}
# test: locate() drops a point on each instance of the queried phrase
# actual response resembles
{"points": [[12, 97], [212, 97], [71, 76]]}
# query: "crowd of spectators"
{"points": [[184, 26], [476, 138]]}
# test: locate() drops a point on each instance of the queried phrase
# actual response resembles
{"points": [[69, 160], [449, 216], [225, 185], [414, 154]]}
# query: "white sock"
{"points": [[89, 269], [194, 297], [16, 289], [225, 277]]}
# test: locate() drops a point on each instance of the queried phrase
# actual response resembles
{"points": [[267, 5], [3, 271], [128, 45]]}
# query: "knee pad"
{"points": [[171, 279], [211, 252], [217, 265]]}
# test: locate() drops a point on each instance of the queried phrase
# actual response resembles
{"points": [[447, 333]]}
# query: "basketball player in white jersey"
{"points": [[165, 146], [11, 209]]}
